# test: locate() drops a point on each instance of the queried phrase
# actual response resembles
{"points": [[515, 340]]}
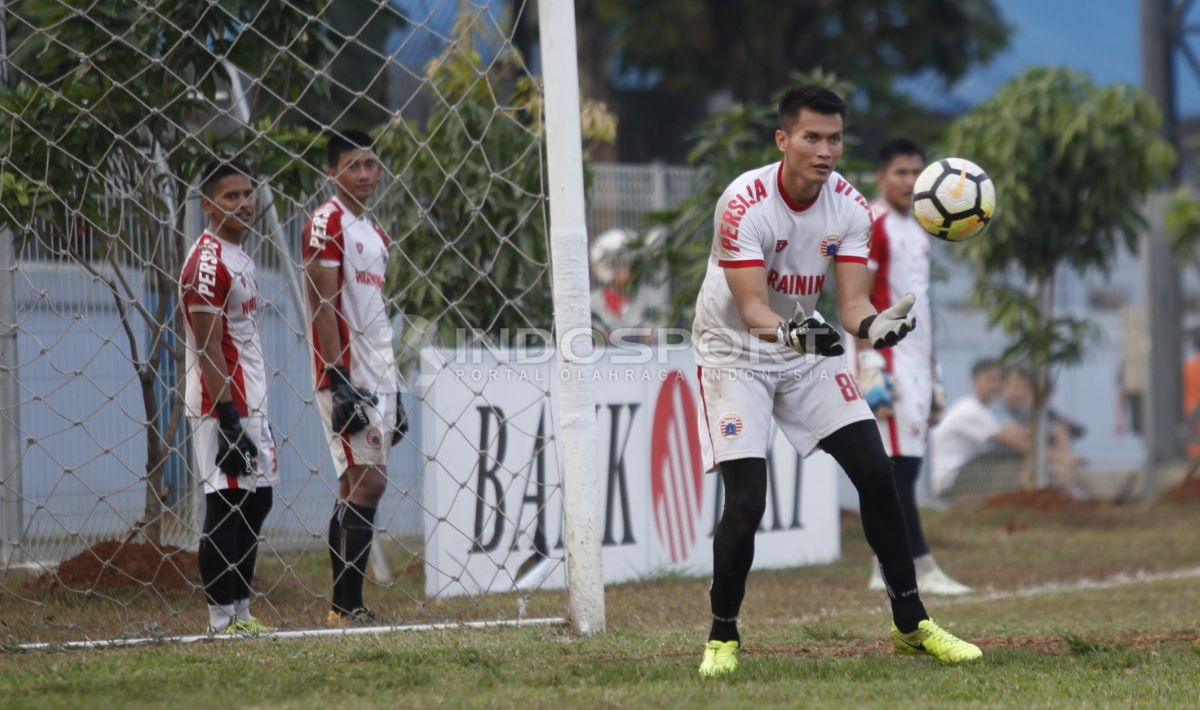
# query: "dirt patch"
{"points": [[1189, 489], [111, 564], [1045, 499]]}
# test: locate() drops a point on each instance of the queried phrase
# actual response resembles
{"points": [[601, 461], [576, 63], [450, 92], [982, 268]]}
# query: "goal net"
{"points": [[110, 110]]}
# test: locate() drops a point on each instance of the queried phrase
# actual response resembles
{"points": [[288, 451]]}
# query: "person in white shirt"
{"points": [[226, 396], [765, 354], [358, 387], [969, 429], [900, 383]]}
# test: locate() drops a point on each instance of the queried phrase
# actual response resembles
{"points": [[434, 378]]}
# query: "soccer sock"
{"points": [[220, 616], [908, 468], [218, 552], [357, 530], [859, 451], [336, 561], [745, 482], [241, 609], [253, 514]]}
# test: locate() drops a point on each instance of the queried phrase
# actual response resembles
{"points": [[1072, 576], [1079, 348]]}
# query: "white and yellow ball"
{"points": [[953, 199]]}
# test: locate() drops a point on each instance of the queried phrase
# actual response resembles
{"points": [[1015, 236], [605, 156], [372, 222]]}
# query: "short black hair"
{"points": [[988, 363], [897, 147], [220, 168], [811, 97], [340, 142]]}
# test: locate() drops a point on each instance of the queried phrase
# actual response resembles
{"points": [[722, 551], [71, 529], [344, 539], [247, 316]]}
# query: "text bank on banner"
{"points": [[494, 520]]}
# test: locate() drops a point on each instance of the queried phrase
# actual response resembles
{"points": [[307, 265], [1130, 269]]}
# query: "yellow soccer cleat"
{"points": [[720, 658], [335, 620], [255, 627], [932, 640]]}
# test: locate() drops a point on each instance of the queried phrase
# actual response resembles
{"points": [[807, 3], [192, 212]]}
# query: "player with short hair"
{"points": [[226, 396], [358, 387], [900, 383], [764, 352]]}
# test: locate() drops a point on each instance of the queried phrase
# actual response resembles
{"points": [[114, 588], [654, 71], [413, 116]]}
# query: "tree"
{"points": [[752, 48], [1072, 163], [101, 139]]}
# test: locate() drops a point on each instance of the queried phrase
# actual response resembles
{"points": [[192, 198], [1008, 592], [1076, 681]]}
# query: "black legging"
{"points": [[859, 450], [228, 551], [908, 468]]}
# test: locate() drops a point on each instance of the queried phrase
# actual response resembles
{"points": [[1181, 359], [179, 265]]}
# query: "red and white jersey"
{"points": [[218, 277], [358, 248], [757, 224], [900, 259]]}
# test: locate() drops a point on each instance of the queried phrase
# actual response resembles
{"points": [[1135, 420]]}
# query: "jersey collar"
{"points": [[787, 200]]}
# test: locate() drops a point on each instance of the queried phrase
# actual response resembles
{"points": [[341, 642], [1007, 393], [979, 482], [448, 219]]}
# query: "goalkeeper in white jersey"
{"points": [[765, 353], [226, 396], [358, 388], [900, 383]]}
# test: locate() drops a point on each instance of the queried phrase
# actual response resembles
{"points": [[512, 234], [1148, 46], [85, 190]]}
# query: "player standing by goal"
{"points": [[900, 382], [226, 396], [358, 393], [775, 230]]}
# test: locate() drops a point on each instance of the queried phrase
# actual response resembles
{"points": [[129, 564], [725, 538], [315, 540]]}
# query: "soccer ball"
{"points": [[953, 199]]}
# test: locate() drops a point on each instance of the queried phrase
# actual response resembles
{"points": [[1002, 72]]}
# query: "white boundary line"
{"points": [[298, 634], [937, 601]]}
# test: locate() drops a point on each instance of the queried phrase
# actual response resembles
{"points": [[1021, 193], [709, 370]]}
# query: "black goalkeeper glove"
{"points": [[236, 453], [401, 421], [810, 334], [349, 402]]}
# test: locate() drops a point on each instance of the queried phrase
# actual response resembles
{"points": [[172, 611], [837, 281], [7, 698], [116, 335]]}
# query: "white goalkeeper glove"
{"points": [[890, 325], [810, 334], [874, 383]]}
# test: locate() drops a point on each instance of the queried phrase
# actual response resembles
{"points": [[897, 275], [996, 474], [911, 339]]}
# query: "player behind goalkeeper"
{"points": [[226, 396], [900, 383], [345, 262], [764, 352]]}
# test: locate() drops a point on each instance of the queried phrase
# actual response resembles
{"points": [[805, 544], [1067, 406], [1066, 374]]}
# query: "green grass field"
{"points": [[814, 637]]}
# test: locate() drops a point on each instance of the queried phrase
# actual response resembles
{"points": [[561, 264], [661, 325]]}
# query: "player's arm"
{"points": [[881, 329], [322, 287], [749, 288], [1015, 436], [208, 328]]}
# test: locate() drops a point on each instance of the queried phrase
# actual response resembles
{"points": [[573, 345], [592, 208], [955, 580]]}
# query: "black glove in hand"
{"points": [[349, 402], [401, 421], [236, 453], [810, 334]]}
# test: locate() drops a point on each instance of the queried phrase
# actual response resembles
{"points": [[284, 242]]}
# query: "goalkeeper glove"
{"points": [[890, 325], [874, 382], [236, 454], [806, 334], [401, 421], [349, 402]]}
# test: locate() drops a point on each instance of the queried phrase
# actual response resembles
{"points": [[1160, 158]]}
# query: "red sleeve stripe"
{"points": [[852, 259], [728, 264]]}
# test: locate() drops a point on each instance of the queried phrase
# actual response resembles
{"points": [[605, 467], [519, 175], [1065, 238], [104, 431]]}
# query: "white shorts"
{"points": [[368, 447], [204, 446], [809, 404], [905, 432]]}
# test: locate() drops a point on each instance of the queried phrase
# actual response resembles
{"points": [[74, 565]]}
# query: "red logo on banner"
{"points": [[676, 472]]}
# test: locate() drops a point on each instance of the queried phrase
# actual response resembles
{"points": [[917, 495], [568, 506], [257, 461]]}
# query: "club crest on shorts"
{"points": [[374, 439], [730, 425], [829, 246]]}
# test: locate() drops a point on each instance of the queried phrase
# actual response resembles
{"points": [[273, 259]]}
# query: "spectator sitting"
{"points": [[970, 434], [1018, 407]]}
